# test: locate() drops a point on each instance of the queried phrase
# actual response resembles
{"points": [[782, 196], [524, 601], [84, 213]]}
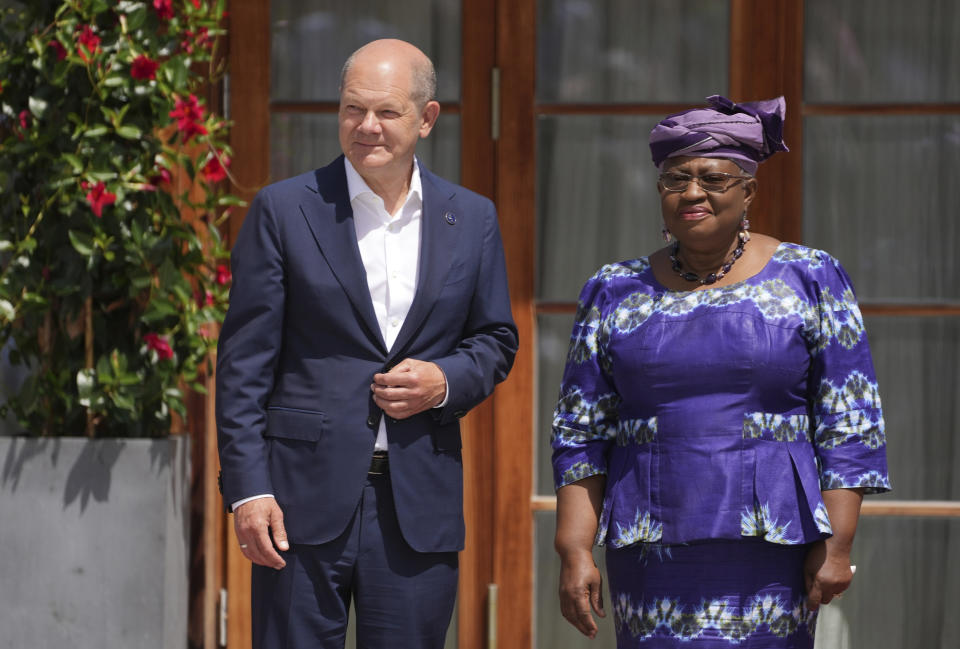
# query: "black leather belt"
{"points": [[379, 464]]}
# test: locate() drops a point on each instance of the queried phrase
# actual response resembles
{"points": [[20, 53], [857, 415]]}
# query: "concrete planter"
{"points": [[94, 537]]}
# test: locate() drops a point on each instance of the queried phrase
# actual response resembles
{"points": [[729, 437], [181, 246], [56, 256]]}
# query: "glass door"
{"points": [[872, 123]]}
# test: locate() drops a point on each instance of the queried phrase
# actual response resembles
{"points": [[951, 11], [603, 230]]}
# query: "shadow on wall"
{"points": [[11, 378]]}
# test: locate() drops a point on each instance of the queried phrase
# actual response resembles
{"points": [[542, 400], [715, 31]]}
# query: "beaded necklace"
{"points": [[711, 277]]}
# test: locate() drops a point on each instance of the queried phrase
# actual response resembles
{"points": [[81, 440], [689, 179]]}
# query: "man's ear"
{"points": [[428, 117]]}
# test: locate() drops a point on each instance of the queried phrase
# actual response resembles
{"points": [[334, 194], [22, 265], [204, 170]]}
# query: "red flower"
{"points": [[24, 119], [158, 344], [59, 49], [203, 299], [89, 43], [188, 115], [98, 197], [213, 171], [223, 275], [143, 68], [164, 8], [45, 272], [162, 176], [196, 4], [201, 38]]}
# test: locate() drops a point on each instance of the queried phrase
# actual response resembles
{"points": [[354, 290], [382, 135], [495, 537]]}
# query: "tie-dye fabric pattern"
{"points": [[717, 595], [699, 406]]}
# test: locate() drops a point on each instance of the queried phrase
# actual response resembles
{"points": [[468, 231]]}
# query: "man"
{"points": [[369, 312]]}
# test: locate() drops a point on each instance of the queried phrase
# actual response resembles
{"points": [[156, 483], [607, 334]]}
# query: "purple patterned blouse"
{"points": [[720, 413]]}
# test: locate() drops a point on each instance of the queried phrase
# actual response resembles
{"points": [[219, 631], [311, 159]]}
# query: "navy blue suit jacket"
{"points": [[300, 345]]}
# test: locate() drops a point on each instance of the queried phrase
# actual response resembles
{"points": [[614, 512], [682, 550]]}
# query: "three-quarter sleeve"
{"points": [[849, 437], [585, 419]]}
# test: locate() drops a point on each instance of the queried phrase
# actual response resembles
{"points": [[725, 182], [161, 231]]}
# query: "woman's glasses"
{"points": [[715, 182]]}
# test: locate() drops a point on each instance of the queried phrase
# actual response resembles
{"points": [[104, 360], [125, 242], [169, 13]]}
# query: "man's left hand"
{"points": [[409, 388]]}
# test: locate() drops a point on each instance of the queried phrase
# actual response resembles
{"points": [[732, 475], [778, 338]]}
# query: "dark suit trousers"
{"points": [[402, 598]]}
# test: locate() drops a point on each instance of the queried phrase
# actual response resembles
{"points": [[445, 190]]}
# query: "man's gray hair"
{"points": [[424, 79]]}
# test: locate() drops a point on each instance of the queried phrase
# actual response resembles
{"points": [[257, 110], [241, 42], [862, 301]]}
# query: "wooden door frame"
{"points": [[249, 110]]}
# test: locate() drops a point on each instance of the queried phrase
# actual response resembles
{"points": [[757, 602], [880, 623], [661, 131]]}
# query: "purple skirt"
{"points": [[747, 594]]}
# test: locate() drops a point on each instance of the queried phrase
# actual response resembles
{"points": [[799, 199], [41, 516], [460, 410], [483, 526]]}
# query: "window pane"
{"points": [[553, 338], [597, 198], [882, 51], [918, 368], [551, 629], [301, 142], [312, 38], [627, 51], [881, 194], [906, 589]]}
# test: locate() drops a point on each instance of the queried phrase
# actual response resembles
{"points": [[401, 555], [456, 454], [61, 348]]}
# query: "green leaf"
{"points": [[103, 366], [158, 310], [139, 280], [109, 114], [86, 384], [123, 401], [74, 162], [136, 18], [82, 242], [114, 80], [129, 132], [96, 131]]}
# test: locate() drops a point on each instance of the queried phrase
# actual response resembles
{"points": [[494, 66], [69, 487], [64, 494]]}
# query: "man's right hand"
{"points": [[254, 521]]}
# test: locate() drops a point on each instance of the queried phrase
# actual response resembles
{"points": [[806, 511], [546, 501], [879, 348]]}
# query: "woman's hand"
{"points": [[826, 573], [826, 569], [580, 591], [578, 509]]}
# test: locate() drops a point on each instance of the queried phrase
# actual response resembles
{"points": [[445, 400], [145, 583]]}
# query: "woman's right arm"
{"points": [[578, 514]]}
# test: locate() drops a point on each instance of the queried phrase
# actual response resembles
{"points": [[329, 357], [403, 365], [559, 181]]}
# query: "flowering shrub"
{"points": [[112, 273]]}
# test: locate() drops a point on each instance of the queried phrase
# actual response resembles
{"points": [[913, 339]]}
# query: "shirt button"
{"points": [[394, 323], [393, 275]]}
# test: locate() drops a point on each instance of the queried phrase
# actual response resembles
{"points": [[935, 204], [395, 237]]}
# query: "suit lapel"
{"points": [[330, 219], [439, 232]]}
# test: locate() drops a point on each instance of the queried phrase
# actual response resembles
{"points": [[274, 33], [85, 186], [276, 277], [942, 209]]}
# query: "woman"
{"points": [[718, 420]]}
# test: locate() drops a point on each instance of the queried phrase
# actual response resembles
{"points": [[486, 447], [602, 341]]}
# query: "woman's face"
{"points": [[694, 214]]}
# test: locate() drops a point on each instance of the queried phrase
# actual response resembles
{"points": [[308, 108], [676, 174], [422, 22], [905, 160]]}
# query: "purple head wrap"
{"points": [[746, 133]]}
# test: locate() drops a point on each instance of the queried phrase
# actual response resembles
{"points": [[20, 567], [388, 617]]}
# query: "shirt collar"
{"points": [[357, 186]]}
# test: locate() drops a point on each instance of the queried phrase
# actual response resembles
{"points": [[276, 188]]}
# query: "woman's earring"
{"points": [[666, 234], [744, 227]]}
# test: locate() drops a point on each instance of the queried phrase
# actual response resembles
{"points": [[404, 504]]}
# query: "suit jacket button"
{"points": [[460, 413], [371, 421]]}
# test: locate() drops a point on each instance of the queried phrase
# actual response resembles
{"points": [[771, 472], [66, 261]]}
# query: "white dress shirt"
{"points": [[390, 250]]}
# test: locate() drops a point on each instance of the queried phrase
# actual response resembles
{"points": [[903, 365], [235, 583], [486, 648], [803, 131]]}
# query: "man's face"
{"points": [[379, 123]]}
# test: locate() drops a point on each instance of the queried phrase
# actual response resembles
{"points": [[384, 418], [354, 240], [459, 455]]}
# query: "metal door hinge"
{"points": [[495, 103], [492, 602], [226, 96], [222, 639]]}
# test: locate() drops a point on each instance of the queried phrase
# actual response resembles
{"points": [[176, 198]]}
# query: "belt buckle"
{"points": [[379, 463]]}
